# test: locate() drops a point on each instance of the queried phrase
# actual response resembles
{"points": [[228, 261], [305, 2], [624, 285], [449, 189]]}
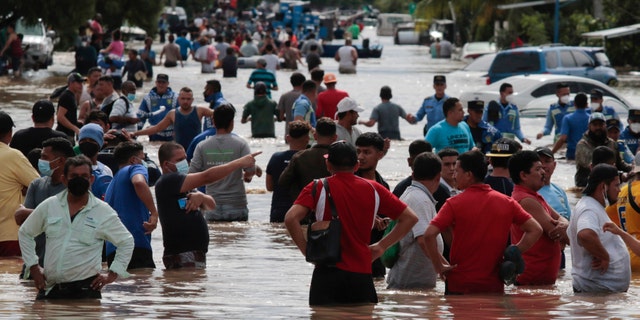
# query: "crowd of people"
{"points": [[87, 185]]}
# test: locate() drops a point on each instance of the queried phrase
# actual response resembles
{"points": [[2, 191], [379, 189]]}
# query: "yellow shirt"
{"points": [[16, 173], [627, 218]]}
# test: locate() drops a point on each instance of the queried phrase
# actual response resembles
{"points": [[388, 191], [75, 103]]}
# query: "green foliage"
{"points": [[533, 26], [392, 6]]}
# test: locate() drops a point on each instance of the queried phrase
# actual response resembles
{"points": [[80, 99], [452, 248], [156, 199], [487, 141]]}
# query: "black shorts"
{"points": [[141, 258], [331, 286], [80, 289]]}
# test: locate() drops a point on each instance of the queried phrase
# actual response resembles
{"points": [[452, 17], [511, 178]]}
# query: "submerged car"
{"points": [[473, 50], [37, 44], [533, 94], [553, 59]]}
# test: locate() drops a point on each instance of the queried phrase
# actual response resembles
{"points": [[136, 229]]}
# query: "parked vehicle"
{"points": [[37, 43], [473, 50], [387, 22], [575, 61], [533, 94], [474, 74]]}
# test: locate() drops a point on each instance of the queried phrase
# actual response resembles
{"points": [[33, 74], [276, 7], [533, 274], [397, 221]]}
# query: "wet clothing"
{"points": [[508, 118], [589, 214], [131, 67], [542, 260], [302, 107], [75, 246], [313, 60], [484, 135], [346, 64], [574, 126], [432, 108], [555, 114], [151, 103], [281, 200], [327, 102], [148, 62], [285, 104], [122, 197], [185, 47], [387, 115], [478, 242], [262, 111], [186, 126], [230, 66], [444, 135], [68, 101], [266, 76], [182, 231]]}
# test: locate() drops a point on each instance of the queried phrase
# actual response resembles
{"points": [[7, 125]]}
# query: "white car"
{"points": [[533, 94], [473, 50], [473, 75], [37, 43]]}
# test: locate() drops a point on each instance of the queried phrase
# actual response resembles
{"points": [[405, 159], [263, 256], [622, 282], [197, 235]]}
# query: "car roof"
{"points": [[545, 48], [531, 79]]}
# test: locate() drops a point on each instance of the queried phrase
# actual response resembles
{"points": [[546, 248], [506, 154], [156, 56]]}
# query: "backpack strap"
{"points": [[631, 200], [334, 212]]}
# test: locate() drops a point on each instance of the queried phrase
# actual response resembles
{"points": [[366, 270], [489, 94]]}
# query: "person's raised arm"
{"points": [[368, 123], [632, 243], [163, 124], [144, 193], [213, 174]]}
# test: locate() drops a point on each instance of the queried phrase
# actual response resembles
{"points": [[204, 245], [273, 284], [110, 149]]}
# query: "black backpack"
{"points": [[107, 109]]}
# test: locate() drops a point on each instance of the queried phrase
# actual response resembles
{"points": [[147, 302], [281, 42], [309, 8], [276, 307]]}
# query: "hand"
{"points": [[443, 268], [600, 264], [527, 141], [381, 223], [539, 136], [37, 274], [249, 161], [150, 225], [103, 279], [376, 251], [258, 171], [194, 201], [559, 232], [613, 228]]}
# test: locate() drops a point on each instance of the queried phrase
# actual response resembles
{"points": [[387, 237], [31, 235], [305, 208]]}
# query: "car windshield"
{"points": [[480, 46], [31, 30], [603, 59], [481, 63], [516, 62]]}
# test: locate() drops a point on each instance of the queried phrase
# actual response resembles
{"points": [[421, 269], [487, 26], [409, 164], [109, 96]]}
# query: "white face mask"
{"points": [[635, 127], [594, 106], [564, 99], [509, 98]]}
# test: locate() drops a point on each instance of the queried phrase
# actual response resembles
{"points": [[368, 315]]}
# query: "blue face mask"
{"points": [[182, 166], [44, 167], [131, 96]]}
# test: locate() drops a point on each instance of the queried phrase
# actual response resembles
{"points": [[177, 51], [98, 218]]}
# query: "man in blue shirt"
{"points": [[302, 107], [504, 115], [483, 134], [451, 132], [558, 110], [596, 105], [185, 45], [432, 106], [631, 133], [574, 125], [261, 74], [160, 96]]}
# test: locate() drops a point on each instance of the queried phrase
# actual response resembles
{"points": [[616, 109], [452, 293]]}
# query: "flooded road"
{"points": [[253, 269]]}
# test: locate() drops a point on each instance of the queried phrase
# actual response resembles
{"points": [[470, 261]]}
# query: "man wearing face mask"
{"points": [[574, 126], [631, 133], [558, 110], [72, 267], [595, 136], [130, 196], [185, 235], [90, 142], [55, 152], [123, 114], [600, 259], [596, 105], [152, 107], [213, 95], [504, 115]]}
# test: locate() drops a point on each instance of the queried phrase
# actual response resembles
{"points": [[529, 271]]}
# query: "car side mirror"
{"points": [[51, 34]]}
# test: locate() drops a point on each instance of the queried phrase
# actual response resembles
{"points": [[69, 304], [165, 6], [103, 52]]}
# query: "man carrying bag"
{"points": [[356, 200]]}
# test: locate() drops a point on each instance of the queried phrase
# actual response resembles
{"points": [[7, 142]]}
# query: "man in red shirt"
{"points": [[479, 219], [327, 101], [542, 261], [357, 201]]}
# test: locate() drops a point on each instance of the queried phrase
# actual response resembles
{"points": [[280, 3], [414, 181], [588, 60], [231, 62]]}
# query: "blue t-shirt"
{"points": [[432, 108], [574, 126], [122, 197], [443, 135], [184, 44], [556, 198], [302, 107], [280, 200], [555, 114]]}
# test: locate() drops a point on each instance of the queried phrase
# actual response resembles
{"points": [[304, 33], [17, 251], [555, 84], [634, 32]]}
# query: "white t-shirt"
{"points": [[589, 214], [202, 55], [346, 61], [272, 62], [120, 109]]}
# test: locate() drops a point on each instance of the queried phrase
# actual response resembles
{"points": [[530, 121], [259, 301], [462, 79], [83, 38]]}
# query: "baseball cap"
{"points": [[504, 147], [329, 78], [342, 154], [599, 173], [162, 77], [75, 77], [6, 123], [42, 111], [92, 131], [476, 105], [348, 104], [613, 123], [260, 88], [634, 114], [544, 151], [596, 93], [597, 116], [439, 79]]}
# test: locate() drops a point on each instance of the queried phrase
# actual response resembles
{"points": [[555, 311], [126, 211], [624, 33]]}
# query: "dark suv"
{"points": [[586, 62]]}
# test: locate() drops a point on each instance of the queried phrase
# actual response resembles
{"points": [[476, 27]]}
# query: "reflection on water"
{"points": [[253, 269]]}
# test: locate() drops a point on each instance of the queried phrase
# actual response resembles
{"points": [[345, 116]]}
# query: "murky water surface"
{"points": [[253, 269]]}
